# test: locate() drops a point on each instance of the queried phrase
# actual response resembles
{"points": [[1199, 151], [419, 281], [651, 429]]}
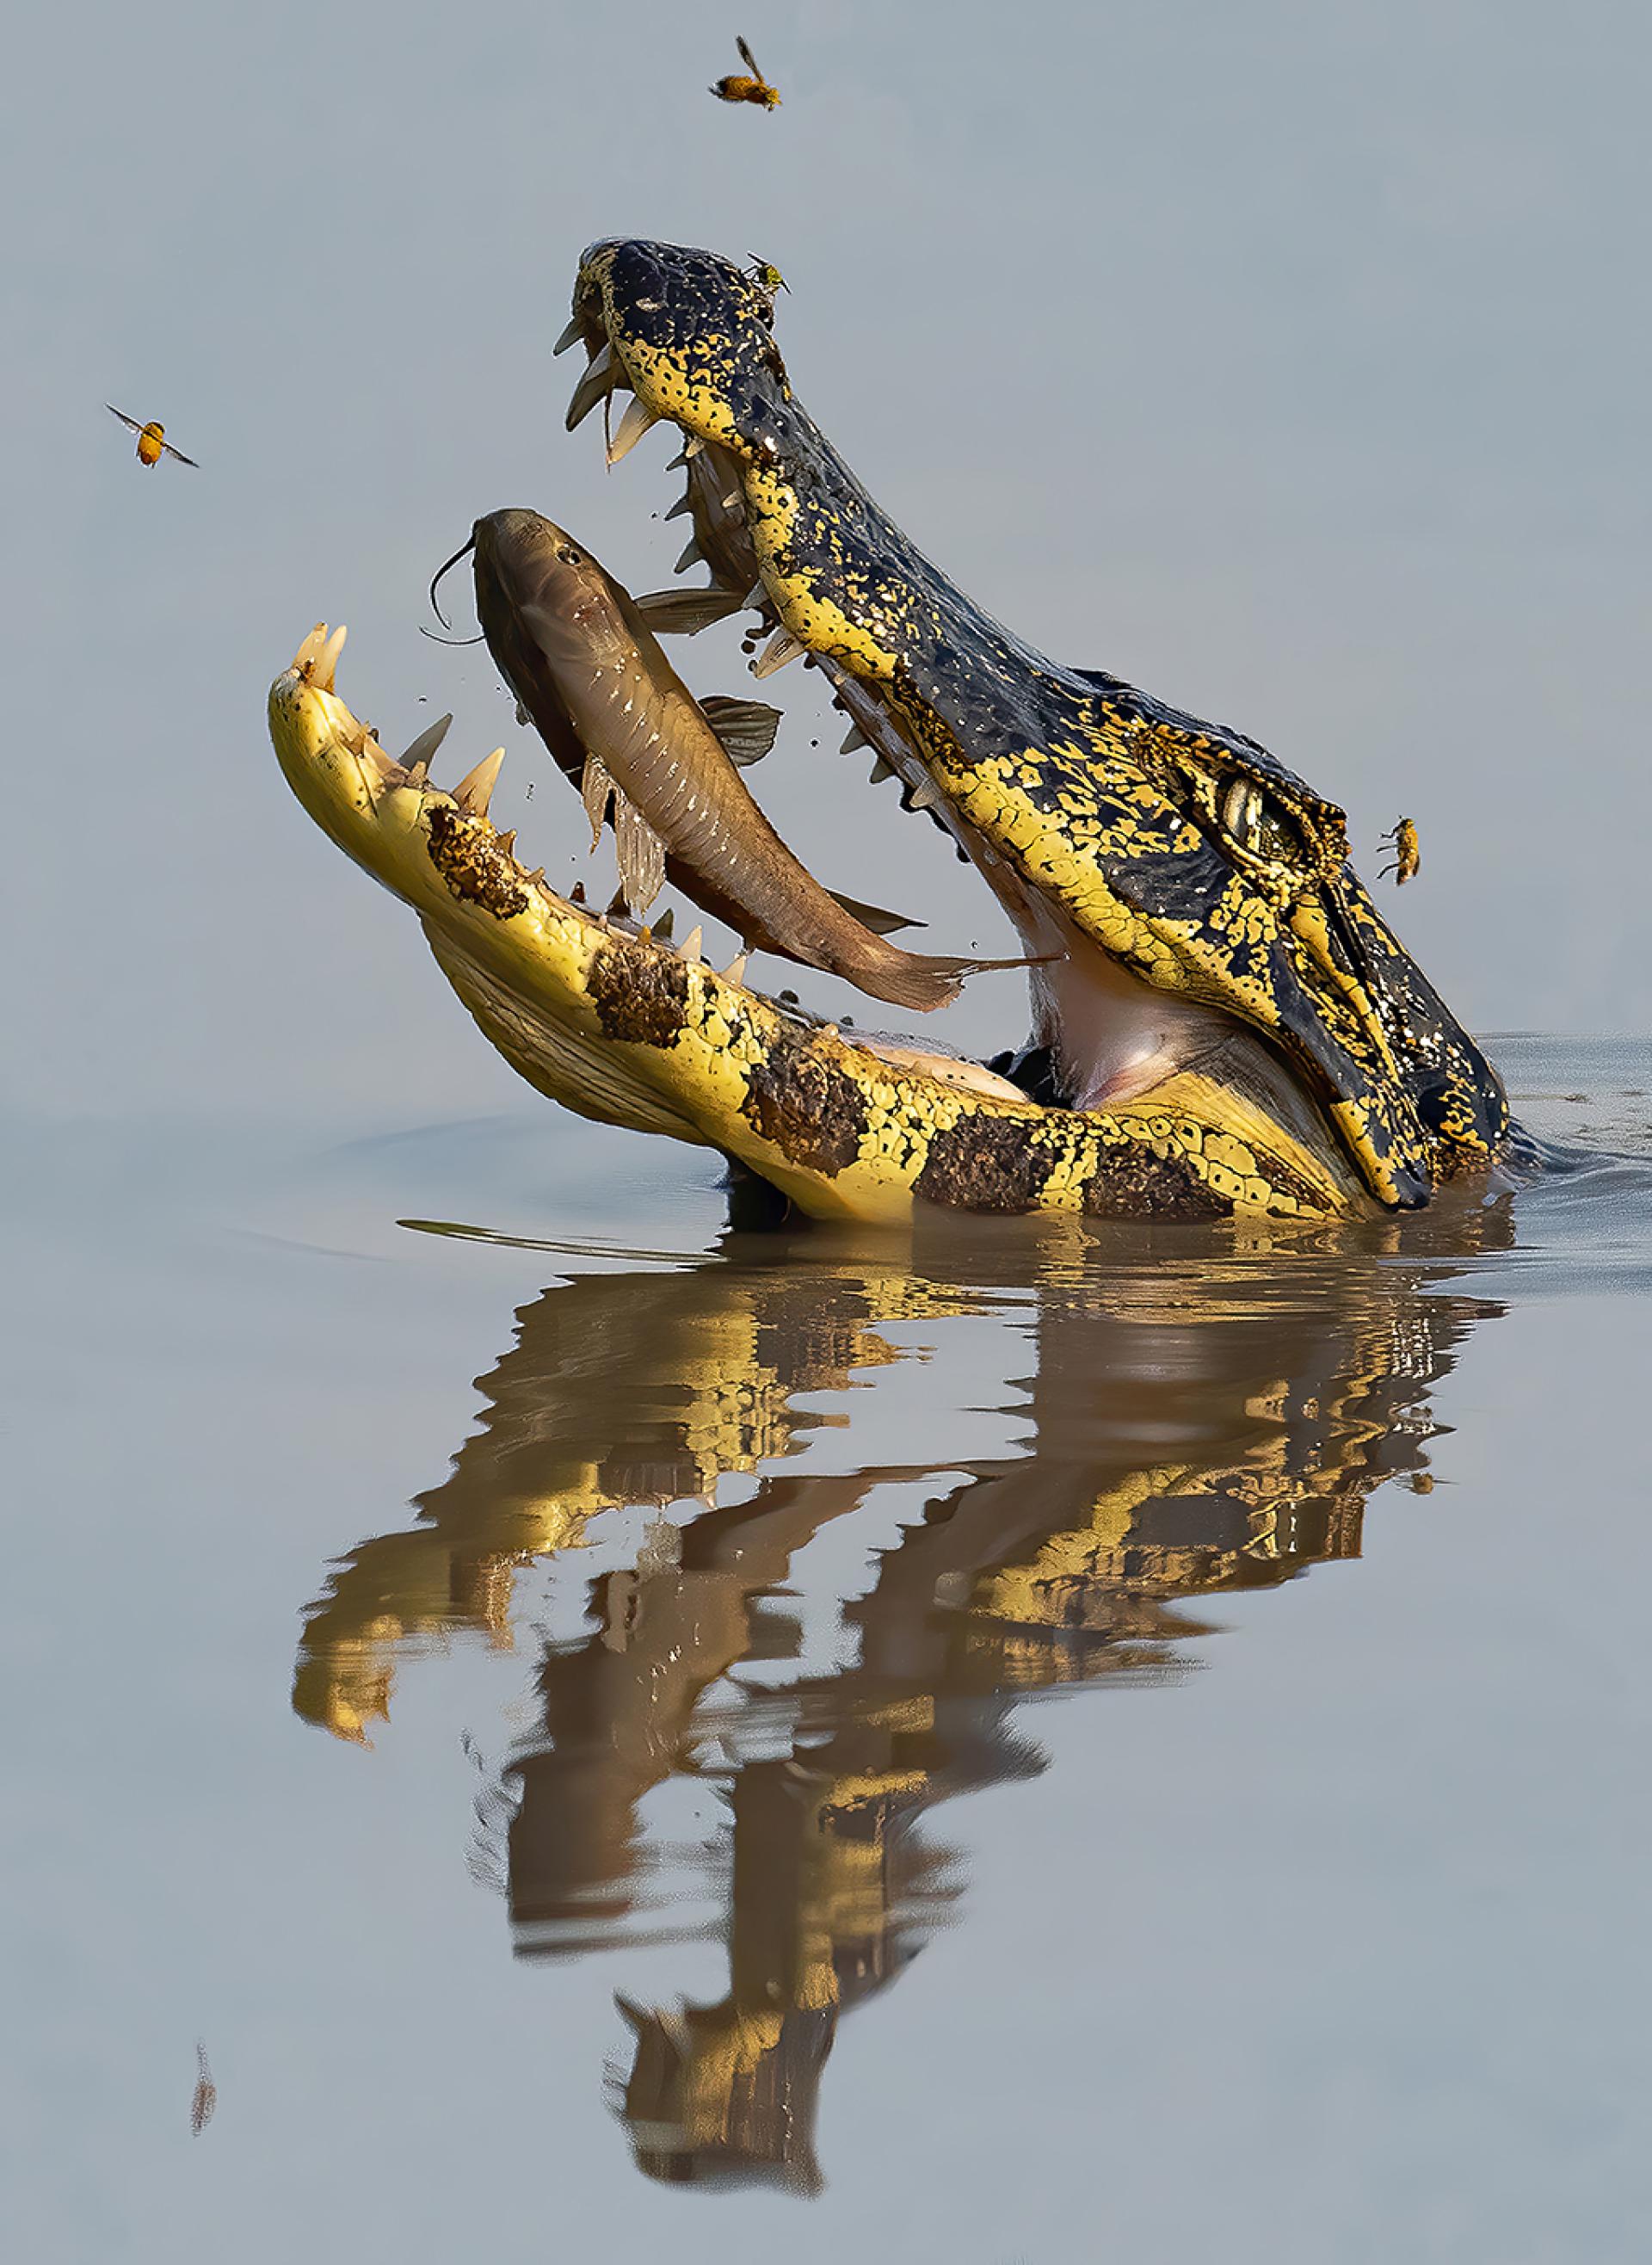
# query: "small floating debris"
{"points": [[206, 2097]]}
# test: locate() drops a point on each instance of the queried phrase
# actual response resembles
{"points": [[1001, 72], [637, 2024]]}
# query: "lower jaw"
{"points": [[623, 1029]]}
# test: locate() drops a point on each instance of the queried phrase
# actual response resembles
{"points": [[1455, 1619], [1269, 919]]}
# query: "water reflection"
{"points": [[1196, 1417]]}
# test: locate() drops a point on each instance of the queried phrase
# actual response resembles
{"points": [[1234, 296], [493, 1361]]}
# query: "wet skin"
{"points": [[1222, 1023]]}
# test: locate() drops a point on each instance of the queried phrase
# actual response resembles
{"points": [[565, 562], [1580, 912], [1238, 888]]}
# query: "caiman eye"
{"points": [[569, 556], [1257, 825]]}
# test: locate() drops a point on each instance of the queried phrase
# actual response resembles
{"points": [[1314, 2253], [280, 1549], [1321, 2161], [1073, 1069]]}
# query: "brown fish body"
{"points": [[594, 678]]}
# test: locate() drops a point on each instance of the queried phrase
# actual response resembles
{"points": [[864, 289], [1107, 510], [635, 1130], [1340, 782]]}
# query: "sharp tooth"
{"points": [[418, 757], [665, 925], [312, 646], [522, 716], [757, 595], [683, 503], [576, 895], [537, 875], [507, 842], [636, 421], [594, 386], [729, 501], [475, 790], [852, 738], [781, 648], [575, 329], [327, 660], [690, 946], [880, 771], [686, 454], [925, 796], [735, 972], [692, 555]]}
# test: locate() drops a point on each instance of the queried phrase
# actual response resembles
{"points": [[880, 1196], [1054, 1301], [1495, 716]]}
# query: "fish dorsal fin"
{"points": [[745, 727], [684, 613], [874, 916]]}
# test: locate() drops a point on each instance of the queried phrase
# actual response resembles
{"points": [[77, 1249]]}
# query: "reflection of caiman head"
{"points": [[1277, 1392], [1222, 1022]]}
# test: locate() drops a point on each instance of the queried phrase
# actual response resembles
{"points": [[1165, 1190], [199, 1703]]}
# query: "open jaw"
{"points": [[1221, 1023]]}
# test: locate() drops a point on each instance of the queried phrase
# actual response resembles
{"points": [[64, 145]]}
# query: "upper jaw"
{"points": [[688, 334], [654, 318]]}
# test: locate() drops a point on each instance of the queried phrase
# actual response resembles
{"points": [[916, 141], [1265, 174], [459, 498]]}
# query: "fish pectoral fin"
{"points": [[684, 613], [874, 916], [745, 727]]}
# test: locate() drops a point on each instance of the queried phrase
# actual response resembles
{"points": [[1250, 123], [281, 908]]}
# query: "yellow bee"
{"points": [[767, 278], [1407, 856], [755, 89], [152, 441]]}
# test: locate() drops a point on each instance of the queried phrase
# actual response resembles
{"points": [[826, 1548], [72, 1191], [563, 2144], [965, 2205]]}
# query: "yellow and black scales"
{"points": [[1185, 851]]}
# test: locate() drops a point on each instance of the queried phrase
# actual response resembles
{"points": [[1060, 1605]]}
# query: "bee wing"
{"points": [[749, 59], [131, 423], [181, 457]]}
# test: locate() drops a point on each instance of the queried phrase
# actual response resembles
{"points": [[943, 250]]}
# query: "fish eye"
{"points": [[569, 556]]}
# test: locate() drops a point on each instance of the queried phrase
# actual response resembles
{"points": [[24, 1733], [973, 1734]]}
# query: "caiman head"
{"points": [[1222, 1022]]}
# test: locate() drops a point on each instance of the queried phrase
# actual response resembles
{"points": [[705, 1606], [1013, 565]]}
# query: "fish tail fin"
{"points": [[925, 980]]}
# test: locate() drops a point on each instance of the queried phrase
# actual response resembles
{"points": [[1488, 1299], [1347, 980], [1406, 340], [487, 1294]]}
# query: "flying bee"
{"points": [[755, 89], [152, 441], [1407, 856], [766, 279]]}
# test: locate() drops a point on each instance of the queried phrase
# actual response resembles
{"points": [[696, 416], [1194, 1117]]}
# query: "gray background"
{"points": [[1281, 358], [1287, 359]]}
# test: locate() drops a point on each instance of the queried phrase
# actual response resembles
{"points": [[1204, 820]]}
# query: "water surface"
{"points": [[615, 1730]]}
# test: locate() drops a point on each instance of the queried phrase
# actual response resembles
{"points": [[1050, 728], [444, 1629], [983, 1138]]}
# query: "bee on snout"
{"points": [[765, 280], [1403, 839], [755, 89], [152, 441]]}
